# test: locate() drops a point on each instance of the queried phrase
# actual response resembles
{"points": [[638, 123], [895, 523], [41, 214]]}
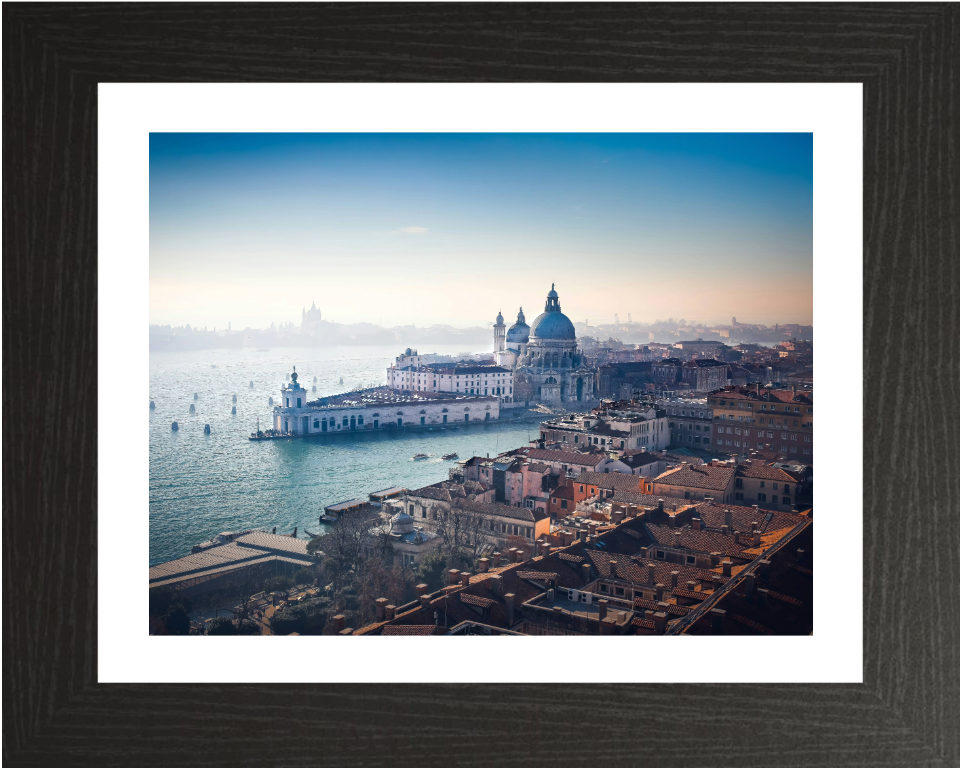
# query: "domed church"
{"points": [[546, 354]]}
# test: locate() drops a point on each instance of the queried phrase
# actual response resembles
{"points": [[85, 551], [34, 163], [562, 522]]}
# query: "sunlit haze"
{"points": [[450, 228]]}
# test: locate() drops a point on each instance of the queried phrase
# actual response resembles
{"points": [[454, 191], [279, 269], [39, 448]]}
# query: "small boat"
{"points": [[311, 535], [420, 456], [206, 429], [174, 426], [341, 379], [233, 411], [153, 405], [450, 456]]}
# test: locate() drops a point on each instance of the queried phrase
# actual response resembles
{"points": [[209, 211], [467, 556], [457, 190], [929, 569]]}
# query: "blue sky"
{"points": [[451, 228]]}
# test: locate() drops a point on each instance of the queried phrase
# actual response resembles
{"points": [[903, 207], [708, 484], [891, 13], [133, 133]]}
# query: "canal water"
{"points": [[203, 484]]}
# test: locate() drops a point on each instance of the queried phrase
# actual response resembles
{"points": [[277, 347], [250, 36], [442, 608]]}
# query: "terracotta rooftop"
{"points": [[408, 629], [763, 472], [536, 575], [610, 480], [482, 602], [701, 476]]}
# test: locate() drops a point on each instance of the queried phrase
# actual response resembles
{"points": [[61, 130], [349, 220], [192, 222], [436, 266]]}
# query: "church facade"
{"points": [[545, 356]]}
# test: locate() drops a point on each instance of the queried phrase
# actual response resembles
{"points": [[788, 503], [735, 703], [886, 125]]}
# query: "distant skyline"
{"points": [[422, 229]]}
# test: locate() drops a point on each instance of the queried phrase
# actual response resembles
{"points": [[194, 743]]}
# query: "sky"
{"points": [[399, 229]]}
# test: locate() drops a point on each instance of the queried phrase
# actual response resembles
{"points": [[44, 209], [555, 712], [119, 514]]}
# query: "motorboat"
{"points": [[450, 456], [420, 456]]}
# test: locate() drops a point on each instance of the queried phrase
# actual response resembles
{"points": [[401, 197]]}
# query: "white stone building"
{"points": [[375, 409], [409, 374]]}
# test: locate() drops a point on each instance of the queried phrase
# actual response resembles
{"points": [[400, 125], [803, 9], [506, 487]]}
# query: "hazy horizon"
{"points": [[424, 229]]}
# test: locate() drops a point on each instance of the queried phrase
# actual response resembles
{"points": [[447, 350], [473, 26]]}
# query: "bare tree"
{"points": [[464, 532]]}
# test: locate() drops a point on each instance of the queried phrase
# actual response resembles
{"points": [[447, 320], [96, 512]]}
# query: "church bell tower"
{"points": [[499, 334]]}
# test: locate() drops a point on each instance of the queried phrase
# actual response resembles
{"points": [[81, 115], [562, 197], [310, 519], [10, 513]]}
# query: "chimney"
{"points": [[496, 559], [708, 499], [537, 547], [613, 568], [659, 592], [582, 535], [660, 505], [391, 612], [749, 584], [509, 600], [651, 574], [645, 552], [546, 550], [677, 536], [725, 529], [513, 554], [692, 586], [585, 569], [728, 519], [674, 577], [495, 584], [764, 569], [338, 621], [452, 575], [727, 566], [381, 605], [696, 523], [673, 521], [762, 597], [520, 555], [422, 589], [568, 537], [465, 579], [660, 622], [717, 615], [425, 602], [484, 564], [618, 517], [602, 604]]}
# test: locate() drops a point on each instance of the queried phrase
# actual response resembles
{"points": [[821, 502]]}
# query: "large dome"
{"points": [[553, 325]]}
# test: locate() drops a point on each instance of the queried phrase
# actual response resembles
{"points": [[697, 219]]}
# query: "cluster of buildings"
{"points": [[644, 566], [377, 408]]}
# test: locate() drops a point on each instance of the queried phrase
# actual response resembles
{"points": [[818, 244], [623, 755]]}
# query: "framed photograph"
{"points": [[462, 322]]}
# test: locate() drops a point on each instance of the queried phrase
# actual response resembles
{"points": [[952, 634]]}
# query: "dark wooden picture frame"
{"points": [[906, 713]]}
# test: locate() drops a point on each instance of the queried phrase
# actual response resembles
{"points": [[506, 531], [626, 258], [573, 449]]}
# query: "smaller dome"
{"points": [[401, 523], [499, 318], [553, 294], [293, 376]]}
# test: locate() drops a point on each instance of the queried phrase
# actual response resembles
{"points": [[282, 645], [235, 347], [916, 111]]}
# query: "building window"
{"points": [[738, 496], [660, 554], [774, 499], [691, 559], [761, 497], [786, 499]]}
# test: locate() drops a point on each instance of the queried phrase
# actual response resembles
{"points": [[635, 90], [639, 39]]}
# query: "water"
{"points": [[202, 484]]}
